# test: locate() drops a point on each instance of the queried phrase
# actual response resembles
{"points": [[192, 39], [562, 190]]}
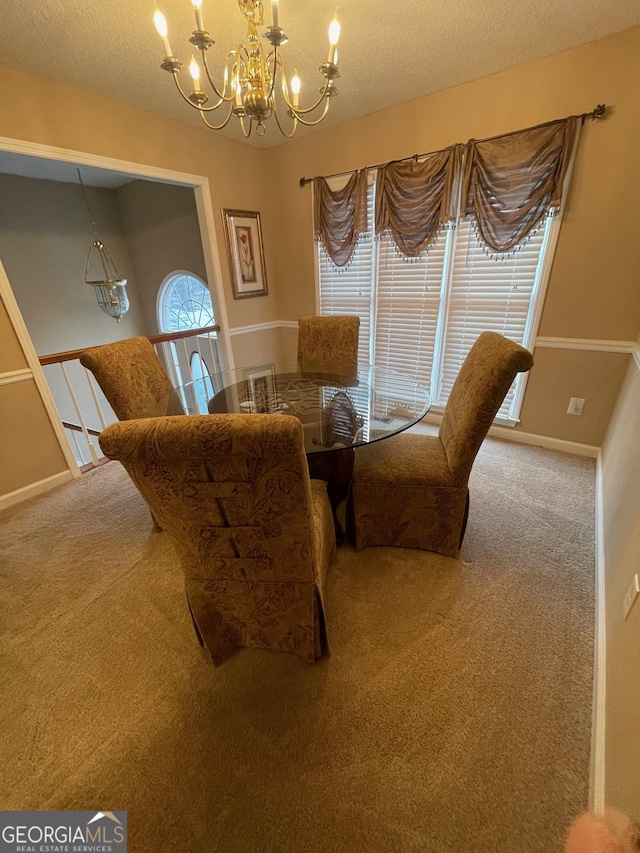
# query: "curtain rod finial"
{"points": [[599, 111], [303, 181]]}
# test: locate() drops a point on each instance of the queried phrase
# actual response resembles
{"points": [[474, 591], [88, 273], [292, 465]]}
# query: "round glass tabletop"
{"points": [[335, 411]]}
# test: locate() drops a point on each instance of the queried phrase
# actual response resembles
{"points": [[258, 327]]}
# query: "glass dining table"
{"points": [[338, 413]]}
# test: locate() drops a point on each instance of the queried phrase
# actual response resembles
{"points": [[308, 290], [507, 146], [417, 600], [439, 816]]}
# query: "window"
{"points": [[184, 302], [421, 316]]}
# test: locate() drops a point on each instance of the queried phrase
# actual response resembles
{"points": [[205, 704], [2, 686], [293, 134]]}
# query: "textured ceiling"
{"points": [[389, 52]]}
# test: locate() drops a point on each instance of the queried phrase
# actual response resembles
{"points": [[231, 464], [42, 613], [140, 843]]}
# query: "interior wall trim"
{"points": [[598, 715], [636, 355], [82, 158], [546, 441], [11, 376], [264, 327], [34, 489], [588, 344]]}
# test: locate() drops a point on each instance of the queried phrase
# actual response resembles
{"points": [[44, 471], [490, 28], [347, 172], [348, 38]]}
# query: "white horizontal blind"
{"points": [[487, 294], [349, 290], [408, 296]]}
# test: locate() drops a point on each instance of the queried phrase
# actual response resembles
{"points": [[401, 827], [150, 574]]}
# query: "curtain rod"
{"points": [[598, 112]]}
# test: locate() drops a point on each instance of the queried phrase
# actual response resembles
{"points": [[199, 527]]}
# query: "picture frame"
{"points": [[261, 383], [245, 250]]}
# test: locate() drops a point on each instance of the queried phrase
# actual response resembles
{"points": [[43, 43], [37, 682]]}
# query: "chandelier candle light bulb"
{"points": [[295, 87], [194, 70], [161, 26], [334, 35], [197, 7], [274, 13]]}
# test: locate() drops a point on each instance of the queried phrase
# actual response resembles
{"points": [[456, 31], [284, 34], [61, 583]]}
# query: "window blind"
{"points": [[408, 296], [486, 294]]}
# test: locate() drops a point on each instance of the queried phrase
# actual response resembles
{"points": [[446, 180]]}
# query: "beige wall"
{"points": [[29, 449], [45, 233], [162, 231], [621, 479], [593, 292]]}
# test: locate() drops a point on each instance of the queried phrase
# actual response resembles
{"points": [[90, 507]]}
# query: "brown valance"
{"points": [[511, 182], [414, 199], [340, 216]]}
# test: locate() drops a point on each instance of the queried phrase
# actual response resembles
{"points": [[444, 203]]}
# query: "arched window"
{"points": [[184, 302]]}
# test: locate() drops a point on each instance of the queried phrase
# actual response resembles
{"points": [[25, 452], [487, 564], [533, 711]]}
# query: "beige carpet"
{"points": [[453, 715]]}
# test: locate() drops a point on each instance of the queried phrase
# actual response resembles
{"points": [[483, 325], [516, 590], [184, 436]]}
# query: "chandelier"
{"points": [[250, 74], [102, 274]]}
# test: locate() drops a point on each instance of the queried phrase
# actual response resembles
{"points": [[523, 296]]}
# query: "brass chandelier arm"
{"points": [[281, 128], [246, 133], [200, 108], [308, 122], [217, 126], [300, 111], [205, 65]]}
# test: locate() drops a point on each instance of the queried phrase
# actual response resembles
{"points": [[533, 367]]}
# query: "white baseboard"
{"points": [[596, 774], [34, 489], [520, 437], [546, 441]]}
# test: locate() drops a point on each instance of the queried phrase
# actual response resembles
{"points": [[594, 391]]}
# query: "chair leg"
{"points": [[194, 623], [464, 519], [156, 526]]}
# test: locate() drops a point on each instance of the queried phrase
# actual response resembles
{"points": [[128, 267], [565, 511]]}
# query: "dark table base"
{"points": [[335, 467]]}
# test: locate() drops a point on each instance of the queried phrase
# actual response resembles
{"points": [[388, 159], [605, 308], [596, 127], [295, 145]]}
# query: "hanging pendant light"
{"points": [[102, 274]]}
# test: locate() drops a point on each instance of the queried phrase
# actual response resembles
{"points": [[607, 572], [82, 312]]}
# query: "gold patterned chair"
{"points": [[411, 491], [253, 533], [132, 379], [329, 344]]}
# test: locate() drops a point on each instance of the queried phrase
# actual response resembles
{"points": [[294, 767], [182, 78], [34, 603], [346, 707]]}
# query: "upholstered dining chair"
{"points": [[329, 344], [412, 491], [132, 379], [253, 533]]}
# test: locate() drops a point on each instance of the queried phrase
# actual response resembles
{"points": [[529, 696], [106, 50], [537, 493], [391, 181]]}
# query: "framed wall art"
{"points": [[246, 253]]}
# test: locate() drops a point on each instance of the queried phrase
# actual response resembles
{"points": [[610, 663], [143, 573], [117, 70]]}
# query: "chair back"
{"points": [[329, 344], [480, 387], [132, 379], [233, 493]]}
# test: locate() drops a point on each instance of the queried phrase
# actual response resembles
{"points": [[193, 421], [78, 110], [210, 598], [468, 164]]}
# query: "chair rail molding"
{"points": [[591, 344], [263, 327], [12, 376]]}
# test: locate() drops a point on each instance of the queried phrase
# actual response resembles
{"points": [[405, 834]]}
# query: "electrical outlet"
{"points": [[630, 597], [576, 405]]}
